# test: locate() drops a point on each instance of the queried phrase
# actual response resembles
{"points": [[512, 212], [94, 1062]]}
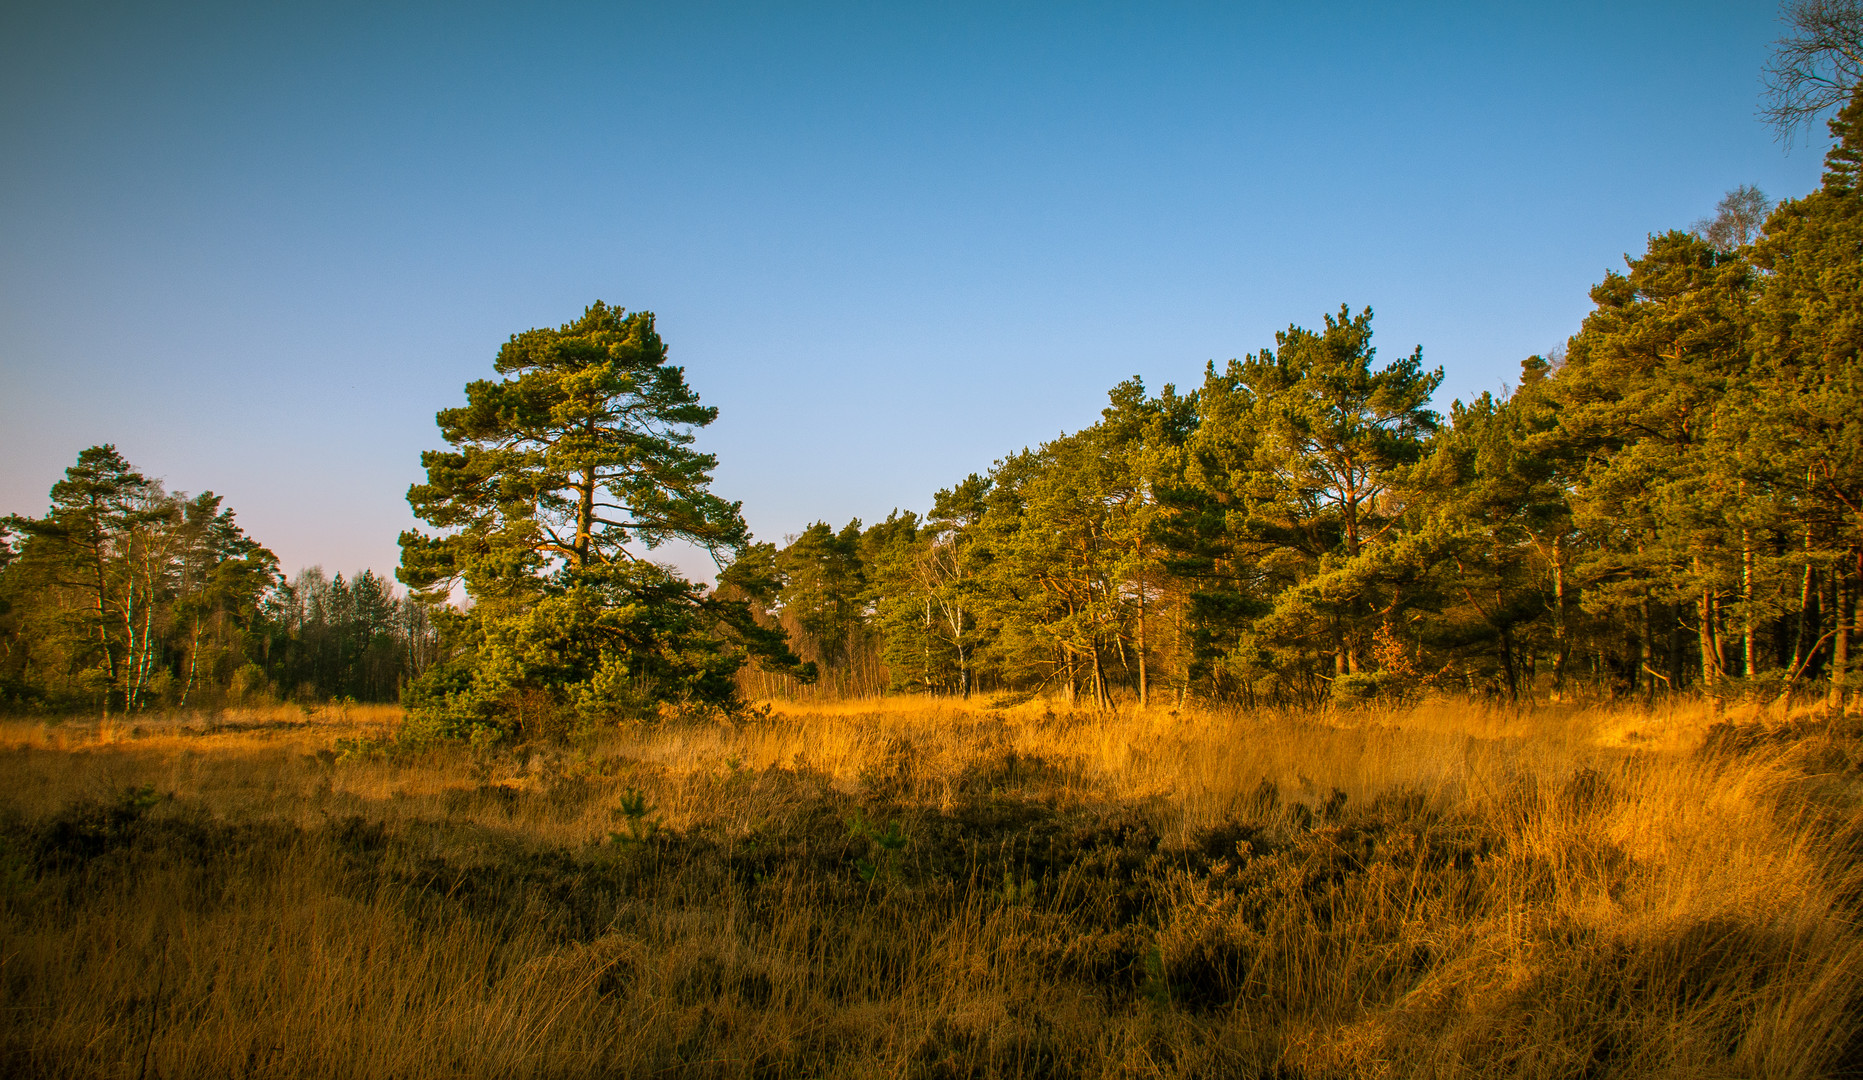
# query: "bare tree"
{"points": [[1816, 65], [1737, 218]]}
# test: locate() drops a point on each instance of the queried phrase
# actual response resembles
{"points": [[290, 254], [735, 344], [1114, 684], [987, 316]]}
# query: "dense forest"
{"points": [[125, 596], [1672, 503]]}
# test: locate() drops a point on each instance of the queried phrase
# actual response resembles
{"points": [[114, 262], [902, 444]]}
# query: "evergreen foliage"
{"points": [[126, 597], [1671, 504], [561, 474]]}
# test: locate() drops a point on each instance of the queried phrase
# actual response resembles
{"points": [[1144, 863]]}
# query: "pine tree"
{"points": [[562, 472], [1808, 328], [1644, 403], [823, 583]]}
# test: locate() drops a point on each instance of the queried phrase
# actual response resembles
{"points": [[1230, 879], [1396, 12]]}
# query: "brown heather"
{"points": [[922, 889]]}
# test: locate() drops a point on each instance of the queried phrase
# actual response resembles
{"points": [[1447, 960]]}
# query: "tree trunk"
{"points": [[194, 662], [1840, 662], [1749, 660], [1561, 646], [1647, 653], [1710, 649], [1508, 668], [102, 586], [1801, 644], [1144, 690], [1807, 598], [1844, 613], [585, 513]]}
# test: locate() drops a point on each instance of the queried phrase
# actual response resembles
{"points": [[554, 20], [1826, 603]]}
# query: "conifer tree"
{"points": [[101, 500], [1808, 328], [1143, 438], [561, 474], [1643, 399], [121, 591], [823, 586], [1491, 505], [1294, 481], [225, 577]]}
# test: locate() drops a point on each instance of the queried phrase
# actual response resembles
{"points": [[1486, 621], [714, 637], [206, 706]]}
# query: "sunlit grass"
{"points": [[1441, 890]]}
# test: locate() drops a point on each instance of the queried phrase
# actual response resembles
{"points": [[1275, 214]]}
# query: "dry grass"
{"points": [[908, 888]]}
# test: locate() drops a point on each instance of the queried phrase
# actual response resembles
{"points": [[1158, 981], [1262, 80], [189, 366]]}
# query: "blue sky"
{"points": [[258, 245]]}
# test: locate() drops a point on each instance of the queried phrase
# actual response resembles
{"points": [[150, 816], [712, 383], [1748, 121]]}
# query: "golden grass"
{"points": [[902, 887]]}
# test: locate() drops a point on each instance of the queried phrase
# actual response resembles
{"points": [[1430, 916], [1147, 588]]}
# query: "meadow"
{"points": [[910, 887]]}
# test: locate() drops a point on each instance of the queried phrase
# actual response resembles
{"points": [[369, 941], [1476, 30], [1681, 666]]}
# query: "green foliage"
{"points": [[877, 851], [1669, 503], [823, 589], [637, 815], [331, 637], [1288, 522], [125, 596], [560, 473]]}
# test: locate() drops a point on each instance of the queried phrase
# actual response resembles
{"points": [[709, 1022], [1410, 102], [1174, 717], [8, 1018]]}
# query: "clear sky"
{"points": [[257, 245]]}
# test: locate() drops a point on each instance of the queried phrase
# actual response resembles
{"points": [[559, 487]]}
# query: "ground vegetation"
{"points": [[928, 888]]}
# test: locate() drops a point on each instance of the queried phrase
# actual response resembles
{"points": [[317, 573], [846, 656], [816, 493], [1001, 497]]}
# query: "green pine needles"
{"points": [[561, 477]]}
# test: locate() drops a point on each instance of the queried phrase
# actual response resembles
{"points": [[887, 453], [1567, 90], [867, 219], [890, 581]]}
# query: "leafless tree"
{"points": [[1816, 65], [1737, 218]]}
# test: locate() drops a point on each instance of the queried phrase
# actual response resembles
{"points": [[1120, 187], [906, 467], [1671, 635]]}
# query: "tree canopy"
{"points": [[561, 476], [125, 597], [1668, 503]]}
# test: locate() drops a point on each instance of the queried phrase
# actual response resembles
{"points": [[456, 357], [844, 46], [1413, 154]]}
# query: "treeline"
{"points": [[1672, 504], [126, 597]]}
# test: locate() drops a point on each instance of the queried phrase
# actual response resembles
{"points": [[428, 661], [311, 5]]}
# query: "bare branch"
{"points": [[1737, 219], [1815, 66]]}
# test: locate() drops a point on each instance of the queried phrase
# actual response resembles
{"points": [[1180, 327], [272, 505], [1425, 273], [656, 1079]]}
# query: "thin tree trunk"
{"points": [[194, 661], [103, 610], [1844, 612], [585, 508], [1561, 646], [1750, 657], [1144, 692], [1841, 613], [147, 667], [1806, 597], [1801, 642], [1704, 632], [1647, 652], [136, 662], [1507, 665]]}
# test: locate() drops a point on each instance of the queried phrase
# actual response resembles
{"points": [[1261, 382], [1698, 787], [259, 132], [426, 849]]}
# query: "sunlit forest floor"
{"points": [[905, 888]]}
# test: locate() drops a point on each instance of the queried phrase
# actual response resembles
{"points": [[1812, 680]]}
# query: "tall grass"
{"points": [[899, 887]]}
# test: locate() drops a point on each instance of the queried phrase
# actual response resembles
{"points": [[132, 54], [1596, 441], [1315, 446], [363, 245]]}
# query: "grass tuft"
{"points": [[928, 889]]}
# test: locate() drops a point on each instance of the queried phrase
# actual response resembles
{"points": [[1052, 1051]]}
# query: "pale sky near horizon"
{"points": [[256, 246]]}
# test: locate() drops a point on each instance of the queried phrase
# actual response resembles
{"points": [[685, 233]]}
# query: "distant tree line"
{"points": [[1671, 503], [1674, 502], [126, 597]]}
